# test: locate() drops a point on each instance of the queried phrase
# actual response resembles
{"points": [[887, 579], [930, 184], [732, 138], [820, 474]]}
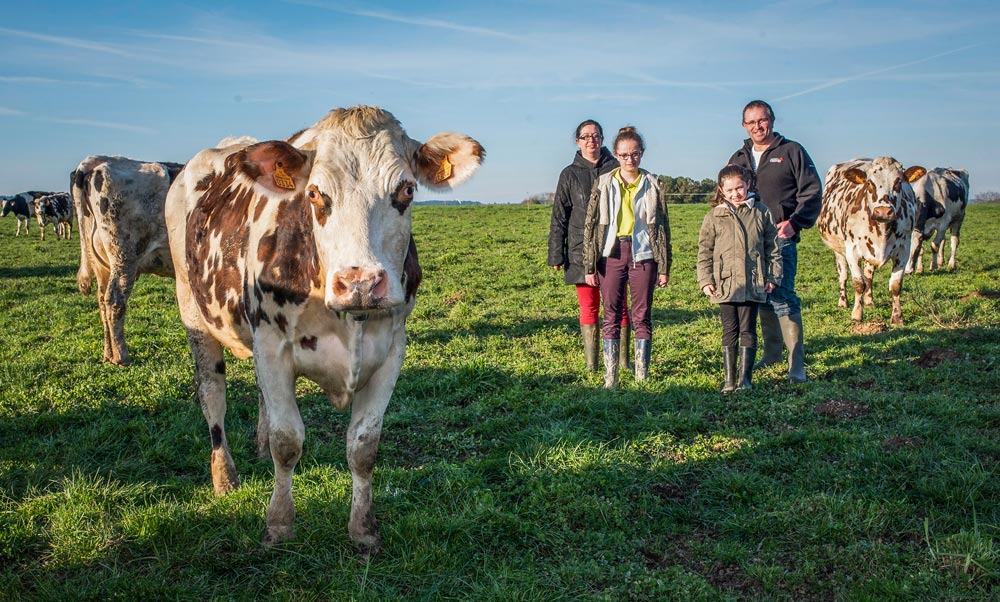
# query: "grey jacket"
{"points": [[738, 265], [650, 235]]}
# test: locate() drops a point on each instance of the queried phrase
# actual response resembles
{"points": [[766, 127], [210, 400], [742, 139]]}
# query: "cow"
{"points": [[299, 253], [55, 209], [867, 217], [22, 205], [942, 195], [119, 209]]}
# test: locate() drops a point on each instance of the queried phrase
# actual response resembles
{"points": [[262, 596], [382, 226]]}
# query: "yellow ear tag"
{"points": [[281, 179], [443, 172]]}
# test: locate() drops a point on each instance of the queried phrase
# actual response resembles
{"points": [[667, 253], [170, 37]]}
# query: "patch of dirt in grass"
{"points": [[870, 327], [454, 297], [842, 409], [669, 492], [726, 576], [981, 295], [936, 357], [896, 443]]}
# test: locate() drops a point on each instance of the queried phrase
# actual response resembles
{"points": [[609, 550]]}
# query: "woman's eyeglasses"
{"points": [[594, 137], [634, 156]]}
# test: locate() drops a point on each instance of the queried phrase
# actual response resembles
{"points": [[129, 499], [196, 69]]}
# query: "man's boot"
{"points": [[791, 332], [591, 334], [770, 330], [611, 356], [642, 349], [625, 359], [729, 369], [747, 356]]}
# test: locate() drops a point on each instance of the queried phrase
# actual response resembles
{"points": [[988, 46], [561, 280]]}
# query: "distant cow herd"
{"points": [[298, 253]]}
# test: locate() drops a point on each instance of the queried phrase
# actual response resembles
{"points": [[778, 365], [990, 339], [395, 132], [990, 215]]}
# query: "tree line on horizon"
{"points": [[679, 190]]}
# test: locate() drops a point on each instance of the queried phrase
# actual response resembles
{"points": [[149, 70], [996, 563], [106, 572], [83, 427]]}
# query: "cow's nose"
{"points": [[360, 287], [883, 214]]}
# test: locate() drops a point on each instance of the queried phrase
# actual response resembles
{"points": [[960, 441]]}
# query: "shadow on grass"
{"points": [[40, 271]]}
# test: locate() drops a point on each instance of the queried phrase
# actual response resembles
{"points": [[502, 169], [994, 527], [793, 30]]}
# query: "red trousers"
{"points": [[590, 304]]}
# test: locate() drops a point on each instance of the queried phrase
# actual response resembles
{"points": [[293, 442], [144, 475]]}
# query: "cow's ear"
{"points": [[447, 160], [856, 176], [275, 165], [914, 173]]}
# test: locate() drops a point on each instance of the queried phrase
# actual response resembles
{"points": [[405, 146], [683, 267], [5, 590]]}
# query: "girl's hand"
{"points": [[709, 290], [662, 280], [590, 279], [769, 287]]}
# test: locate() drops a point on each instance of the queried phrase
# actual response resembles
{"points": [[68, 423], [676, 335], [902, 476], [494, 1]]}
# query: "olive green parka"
{"points": [[738, 252]]}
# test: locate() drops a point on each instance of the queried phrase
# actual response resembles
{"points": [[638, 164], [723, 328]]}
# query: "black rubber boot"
{"points": [[770, 330], [747, 356], [729, 369], [791, 332], [611, 356]]}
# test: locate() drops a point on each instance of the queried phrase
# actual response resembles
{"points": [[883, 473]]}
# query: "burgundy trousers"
{"points": [[617, 271]]}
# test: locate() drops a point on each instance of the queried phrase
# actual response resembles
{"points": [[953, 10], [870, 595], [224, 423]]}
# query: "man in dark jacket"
{"points": [[785, 180], [569, 212]]}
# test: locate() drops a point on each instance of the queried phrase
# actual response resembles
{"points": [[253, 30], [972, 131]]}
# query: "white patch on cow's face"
{"points": [[359, 190]]}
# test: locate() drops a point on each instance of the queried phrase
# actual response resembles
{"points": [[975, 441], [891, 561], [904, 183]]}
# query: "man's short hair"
{"points": [[759, 104]]}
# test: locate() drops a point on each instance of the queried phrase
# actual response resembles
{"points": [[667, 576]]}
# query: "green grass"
{"points": [[505, 471]]}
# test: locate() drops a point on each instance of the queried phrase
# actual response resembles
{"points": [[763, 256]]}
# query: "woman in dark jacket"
{"points": [[569, 210]]}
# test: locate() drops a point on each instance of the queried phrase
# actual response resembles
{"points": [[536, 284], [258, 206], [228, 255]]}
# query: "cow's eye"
{"points": [[314, 194], [405, 192]]}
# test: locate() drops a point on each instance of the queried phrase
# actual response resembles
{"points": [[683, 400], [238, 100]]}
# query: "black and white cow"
{"points": [[22, 205], [55, 209], [942, 195]]}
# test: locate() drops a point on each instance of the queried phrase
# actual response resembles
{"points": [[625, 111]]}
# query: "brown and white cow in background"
{"points": [[55, 209], [119, 208], [299, 254], [867, 219], [942, 195]]}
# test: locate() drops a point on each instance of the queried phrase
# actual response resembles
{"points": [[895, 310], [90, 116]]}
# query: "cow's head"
{"points": [[886, 184], [6, 206], [359, 172]]}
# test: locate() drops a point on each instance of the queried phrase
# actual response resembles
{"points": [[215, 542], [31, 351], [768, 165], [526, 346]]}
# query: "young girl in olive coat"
{"points": [[739, 263]]}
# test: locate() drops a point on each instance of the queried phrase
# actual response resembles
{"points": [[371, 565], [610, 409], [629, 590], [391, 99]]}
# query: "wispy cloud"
{"points": [[65, 41], [388, 16], [843, 80], [10, 112], [104, 124]]}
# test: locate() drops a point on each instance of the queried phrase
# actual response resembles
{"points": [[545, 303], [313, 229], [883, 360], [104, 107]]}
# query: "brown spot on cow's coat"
{"points": [[309, 343], [412, 273], [288, 256], [842, 409], [281, 322], [98, 180], [936, 357], [261, 203], [205, 182], [220, 367], [105, 204]]}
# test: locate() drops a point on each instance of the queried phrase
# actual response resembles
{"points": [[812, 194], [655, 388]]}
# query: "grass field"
{"points": [[505, 471]]}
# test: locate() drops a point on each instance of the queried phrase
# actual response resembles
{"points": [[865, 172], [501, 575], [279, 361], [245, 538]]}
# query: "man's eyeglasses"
{"points": [[594, 137], [759, 123], [633, 156]]}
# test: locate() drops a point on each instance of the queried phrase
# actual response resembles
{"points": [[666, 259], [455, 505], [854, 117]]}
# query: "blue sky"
{"points": [[161, 80]]}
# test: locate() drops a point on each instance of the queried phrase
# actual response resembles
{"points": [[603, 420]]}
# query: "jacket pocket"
{"points": [[724, 288]]}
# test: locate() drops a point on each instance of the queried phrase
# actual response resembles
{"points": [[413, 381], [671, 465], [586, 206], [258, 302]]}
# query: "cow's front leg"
{"points": [[842, 273], [895, 288], [367, 410], [285, 431], [858, 280], [869, 270]]}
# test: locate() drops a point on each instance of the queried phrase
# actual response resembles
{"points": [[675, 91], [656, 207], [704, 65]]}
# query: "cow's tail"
{"points": [[78, 188]]}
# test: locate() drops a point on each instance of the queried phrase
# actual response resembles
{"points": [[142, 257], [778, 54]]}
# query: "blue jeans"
{"points": [[783, 299]]}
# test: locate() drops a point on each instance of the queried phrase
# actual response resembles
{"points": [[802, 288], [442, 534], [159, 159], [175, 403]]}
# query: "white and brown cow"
{"points": [[55, 209], [867, 217], [119, 208], [299, 254], [22, 206], [942, 195]]}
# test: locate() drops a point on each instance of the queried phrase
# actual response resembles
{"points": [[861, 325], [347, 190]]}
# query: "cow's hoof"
{"points": [[369, 547], [275, 535]]}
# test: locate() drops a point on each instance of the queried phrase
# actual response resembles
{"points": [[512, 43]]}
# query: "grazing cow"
{"points": [[299, 253], [867, 218], [119, 207], [942, 195], [22, 205], [55, 209]]}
